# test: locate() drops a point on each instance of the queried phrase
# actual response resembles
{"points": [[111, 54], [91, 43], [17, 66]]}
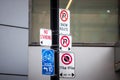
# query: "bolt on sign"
{"points": [[64, 21], [65, 42], [66, 65], [45, 37]]}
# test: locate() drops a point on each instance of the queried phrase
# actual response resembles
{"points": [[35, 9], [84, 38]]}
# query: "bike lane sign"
{"points": [[48, 62]]}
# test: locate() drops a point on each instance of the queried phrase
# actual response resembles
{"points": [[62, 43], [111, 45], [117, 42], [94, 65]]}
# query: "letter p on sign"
{"points": [[65, 42]]}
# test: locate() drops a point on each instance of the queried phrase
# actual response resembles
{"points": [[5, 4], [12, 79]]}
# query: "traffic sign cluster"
{"points": [[66, 57]]}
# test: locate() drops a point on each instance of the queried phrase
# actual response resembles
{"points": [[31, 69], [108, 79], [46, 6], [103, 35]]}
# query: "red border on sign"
{"points": [[61, 14], [67, 39], [63, 57]]}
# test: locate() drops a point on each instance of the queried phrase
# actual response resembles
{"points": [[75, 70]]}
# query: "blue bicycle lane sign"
{"points": [[48, 62]]}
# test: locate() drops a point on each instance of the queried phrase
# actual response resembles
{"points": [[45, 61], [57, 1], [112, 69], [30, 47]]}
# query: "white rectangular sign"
{"points": [[45, 37], [67, 66], [64, 21], [65, 42]]}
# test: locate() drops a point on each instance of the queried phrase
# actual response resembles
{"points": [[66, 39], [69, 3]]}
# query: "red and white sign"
{"points": [[64, 21], [45, 37], [64, 15], [65, 42], [67, 66], [66, 59]]}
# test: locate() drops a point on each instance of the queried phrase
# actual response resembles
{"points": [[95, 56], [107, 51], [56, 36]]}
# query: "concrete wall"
{"points": [[14, 38], [14, 12], [9, 77], [91, 63], [13, 50]]}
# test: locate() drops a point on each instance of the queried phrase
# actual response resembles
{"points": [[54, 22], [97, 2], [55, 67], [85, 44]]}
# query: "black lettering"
{"points": [[71, 67], [62, 67], [63, 29], [64, 15], [63, 24], [64, 41]]}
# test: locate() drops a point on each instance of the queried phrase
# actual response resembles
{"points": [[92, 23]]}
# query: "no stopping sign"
{"points": [[66, 59], [66, 63]]}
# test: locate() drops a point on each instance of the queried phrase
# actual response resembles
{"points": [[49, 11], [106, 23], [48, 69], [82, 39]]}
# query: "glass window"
{"points": [[40, 18], [93, 21]]}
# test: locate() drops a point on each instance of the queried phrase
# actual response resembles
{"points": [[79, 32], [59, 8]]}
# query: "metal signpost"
{"points": [[55, 63], [61, 41], [54, 9]]}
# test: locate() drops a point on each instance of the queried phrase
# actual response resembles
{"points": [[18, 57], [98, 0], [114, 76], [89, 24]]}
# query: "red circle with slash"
{"points": [[64, 15], [66, 59], [65, 41]]}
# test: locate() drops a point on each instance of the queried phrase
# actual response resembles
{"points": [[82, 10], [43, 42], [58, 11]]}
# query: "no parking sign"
{"points": [[65, 42], [64, 21]]}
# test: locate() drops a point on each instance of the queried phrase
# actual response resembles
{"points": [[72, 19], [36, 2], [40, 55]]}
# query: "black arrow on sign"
{"points": [[72, 75], [61, 74]]}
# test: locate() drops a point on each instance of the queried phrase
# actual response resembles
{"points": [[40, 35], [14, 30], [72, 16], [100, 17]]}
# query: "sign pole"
{"points": [[54, 9]]}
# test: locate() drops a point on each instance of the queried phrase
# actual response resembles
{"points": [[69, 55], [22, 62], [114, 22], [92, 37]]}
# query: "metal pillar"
{"points": [[55, 34], [118, 20]]}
